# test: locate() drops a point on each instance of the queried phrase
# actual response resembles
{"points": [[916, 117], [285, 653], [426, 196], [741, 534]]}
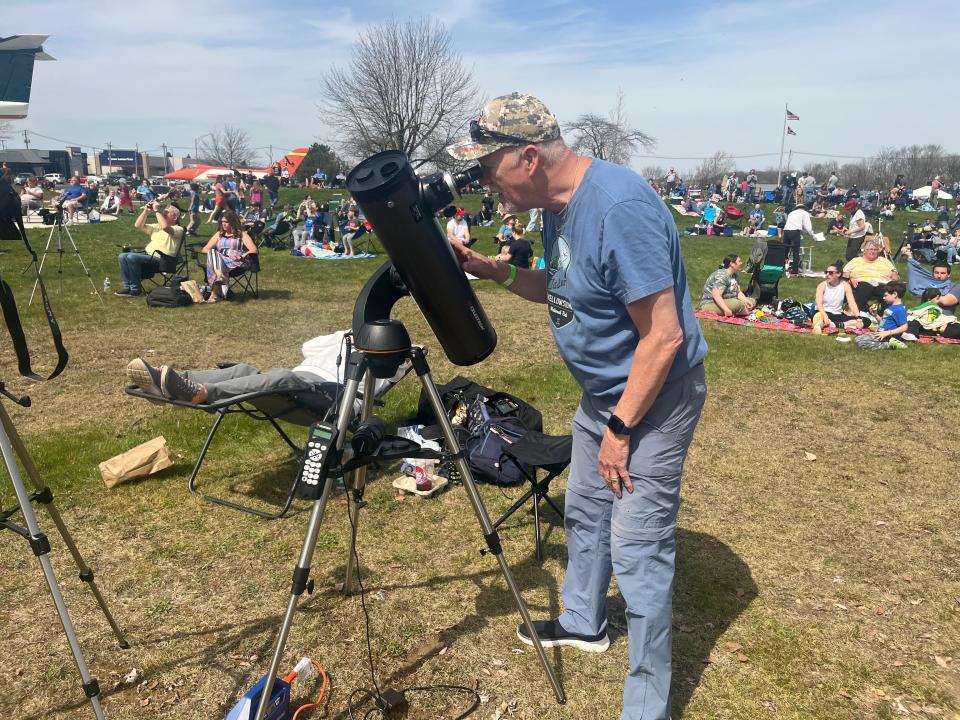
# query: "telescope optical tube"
{"points": [[394, 201]]}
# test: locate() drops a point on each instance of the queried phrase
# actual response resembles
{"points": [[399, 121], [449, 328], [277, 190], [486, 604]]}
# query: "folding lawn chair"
{"points": [[531, 453], [734, 215], [299, 408], [766, 265], [245, 279]]}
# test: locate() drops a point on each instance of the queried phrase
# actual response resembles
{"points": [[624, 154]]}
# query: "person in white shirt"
{"points": [[457, 228], [856, 229], [798, 222]]}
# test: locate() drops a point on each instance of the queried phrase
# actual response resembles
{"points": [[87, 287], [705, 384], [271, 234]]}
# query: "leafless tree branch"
{"points": [[228, 146]]}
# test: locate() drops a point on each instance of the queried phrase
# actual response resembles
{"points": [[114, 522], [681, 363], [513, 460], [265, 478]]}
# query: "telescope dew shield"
{"points": [[392, 199]]}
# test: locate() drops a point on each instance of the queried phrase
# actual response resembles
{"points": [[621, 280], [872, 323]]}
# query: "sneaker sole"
{"points": [[597, 646], [142, 378]]}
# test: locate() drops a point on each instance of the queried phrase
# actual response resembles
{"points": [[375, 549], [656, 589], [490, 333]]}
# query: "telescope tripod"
{"points": [[59, 229], [359, 367], [13, 449]]}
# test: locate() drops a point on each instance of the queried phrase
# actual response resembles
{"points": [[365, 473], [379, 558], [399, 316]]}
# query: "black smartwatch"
{"points": [[617, 426]]}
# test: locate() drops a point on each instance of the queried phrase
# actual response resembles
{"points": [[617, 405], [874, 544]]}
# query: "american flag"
{"points": [[790, 131], [791, 116]]}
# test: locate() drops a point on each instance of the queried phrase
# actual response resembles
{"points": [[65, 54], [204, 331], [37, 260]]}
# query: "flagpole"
{"points": [[783, 138]]}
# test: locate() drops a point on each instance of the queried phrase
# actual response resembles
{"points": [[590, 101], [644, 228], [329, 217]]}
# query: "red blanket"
{"points": [[776, 324]]}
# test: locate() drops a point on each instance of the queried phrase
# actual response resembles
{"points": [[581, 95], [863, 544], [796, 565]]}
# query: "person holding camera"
{"points": [[166, 237], [621, 315]]}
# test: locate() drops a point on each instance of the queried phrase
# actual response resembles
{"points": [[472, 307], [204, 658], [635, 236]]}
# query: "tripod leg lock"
{"points": [[91, 689], [301, 581], [86, 575], [44, 496], [39, 544], [493, 543]]}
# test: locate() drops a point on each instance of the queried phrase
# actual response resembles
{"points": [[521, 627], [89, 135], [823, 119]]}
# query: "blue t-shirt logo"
{"points": [[561, 310]]}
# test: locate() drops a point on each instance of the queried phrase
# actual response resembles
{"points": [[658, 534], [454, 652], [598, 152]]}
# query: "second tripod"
{"points": [[59, 229]]}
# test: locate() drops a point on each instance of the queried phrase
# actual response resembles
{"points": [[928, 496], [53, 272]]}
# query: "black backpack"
{"points": [[168, 297]]}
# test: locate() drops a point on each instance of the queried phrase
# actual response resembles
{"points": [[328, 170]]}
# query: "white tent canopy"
{"points": [[924, 192]]}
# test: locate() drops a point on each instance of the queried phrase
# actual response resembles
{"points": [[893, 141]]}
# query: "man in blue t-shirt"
{"points": [[622, 319]]}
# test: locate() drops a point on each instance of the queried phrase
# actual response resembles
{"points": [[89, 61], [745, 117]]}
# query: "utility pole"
{"points": [[110, 156], [26, 140], [271, 155], [164, 146]]}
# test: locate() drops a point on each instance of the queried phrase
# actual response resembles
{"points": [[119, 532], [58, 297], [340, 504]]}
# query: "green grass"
{"points": [[837, 577]]}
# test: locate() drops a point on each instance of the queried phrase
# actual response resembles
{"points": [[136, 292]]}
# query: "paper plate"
{"points": [[843, 339]]}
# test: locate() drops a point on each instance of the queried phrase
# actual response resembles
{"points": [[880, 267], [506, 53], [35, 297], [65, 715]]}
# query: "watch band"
{"points": [[617, 426]]}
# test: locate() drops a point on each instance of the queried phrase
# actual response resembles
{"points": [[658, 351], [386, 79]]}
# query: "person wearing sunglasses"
{"points": [[831, 296], [621, 315]]}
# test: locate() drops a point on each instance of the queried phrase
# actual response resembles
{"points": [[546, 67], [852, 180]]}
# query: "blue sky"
{"points": [[698, 76]]}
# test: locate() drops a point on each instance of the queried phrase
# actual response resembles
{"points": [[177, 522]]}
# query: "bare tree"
{"points": [[6, 131], [609, 138], [229, 146], [712, 169], [404, 89]]}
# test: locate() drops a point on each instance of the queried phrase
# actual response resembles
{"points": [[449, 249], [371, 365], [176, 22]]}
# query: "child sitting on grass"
{"points": [[894, 321]]}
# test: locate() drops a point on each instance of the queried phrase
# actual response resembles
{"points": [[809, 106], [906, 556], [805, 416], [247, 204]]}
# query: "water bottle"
{"points": [[106, 284]]}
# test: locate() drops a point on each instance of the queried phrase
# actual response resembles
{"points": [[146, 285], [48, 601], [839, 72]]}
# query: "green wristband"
{"points": [[511, 277]]}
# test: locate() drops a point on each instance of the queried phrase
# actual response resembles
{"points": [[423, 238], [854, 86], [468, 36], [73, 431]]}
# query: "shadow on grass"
{"points": [[713, 587]]}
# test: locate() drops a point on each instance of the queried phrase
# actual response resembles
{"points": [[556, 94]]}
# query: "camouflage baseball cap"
{"points": [[507, 121]]}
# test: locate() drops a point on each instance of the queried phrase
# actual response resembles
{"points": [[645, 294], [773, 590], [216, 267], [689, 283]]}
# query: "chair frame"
{"points": [[539, 491], [246, 405], [242, 279]]}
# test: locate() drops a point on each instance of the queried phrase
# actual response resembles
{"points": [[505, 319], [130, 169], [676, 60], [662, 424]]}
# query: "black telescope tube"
{"points": [[390, 195]]}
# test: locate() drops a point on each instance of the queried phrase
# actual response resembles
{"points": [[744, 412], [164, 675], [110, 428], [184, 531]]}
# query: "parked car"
{"points": [[21, 178], [87, 178], [114, 178], [53, 177]]}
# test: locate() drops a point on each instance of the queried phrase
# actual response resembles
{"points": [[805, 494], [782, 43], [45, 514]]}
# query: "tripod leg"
{"points": [[46, 497], [41, 548], [489, 532], [358, 484], [76, 251], [43, 259], [301, 573]]}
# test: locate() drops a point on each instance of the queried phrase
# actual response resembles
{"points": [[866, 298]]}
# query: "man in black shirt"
{"points": [[517, 251], [272, 184]]}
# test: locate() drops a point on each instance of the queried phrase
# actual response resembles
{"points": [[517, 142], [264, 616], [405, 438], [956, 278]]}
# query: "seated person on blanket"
{"points": [[165, 237], [722, 293], [227, 252], [930, 319], [869, 274], [894, 321], [319, 365], [837, 226], [919, 278], [517, 251], [757, 219], [831, 295]]}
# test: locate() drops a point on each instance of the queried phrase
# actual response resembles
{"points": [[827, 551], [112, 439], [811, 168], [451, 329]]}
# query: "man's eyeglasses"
{"points": [[481, 134]]}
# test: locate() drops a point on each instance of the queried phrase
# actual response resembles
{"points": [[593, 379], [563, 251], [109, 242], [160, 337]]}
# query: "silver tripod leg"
{"points": [[41, 548], [301, 573], [489, 532], [45, 497], [357, 484]]}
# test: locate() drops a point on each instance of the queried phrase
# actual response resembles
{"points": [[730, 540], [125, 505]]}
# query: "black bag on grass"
{"points": [[168, 297]]}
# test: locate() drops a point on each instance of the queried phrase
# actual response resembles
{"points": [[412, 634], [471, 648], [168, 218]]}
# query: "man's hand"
{"points": [[477, 264], [750, 303], [612, 462], [727, 312]]}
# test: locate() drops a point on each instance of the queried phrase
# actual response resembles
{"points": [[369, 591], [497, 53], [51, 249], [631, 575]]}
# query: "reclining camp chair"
{"points": [[299, 409], [766, 266], [734, 216]]}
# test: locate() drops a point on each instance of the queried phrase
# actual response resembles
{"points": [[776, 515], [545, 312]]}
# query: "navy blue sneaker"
{"points": [[552, 634]]}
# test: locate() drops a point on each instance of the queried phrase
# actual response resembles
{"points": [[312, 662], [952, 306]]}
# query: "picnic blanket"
{"points": [[683, 211], [319, 253], [788, 326]]}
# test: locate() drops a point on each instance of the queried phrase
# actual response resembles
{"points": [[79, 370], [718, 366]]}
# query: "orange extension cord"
{"points": [[323, 689]]}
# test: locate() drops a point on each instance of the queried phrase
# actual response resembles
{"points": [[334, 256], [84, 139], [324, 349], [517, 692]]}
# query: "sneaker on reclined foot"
{"points": [[552, 634], [177, 387], [144, 376]]}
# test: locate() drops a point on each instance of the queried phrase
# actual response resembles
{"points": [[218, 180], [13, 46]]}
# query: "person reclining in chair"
{"points": [[165, 237], [210, 386]]}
